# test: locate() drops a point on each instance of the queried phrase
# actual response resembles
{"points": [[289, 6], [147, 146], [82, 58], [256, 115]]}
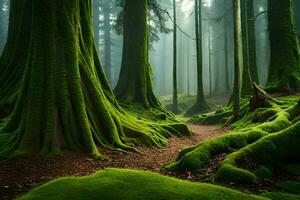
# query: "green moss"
{"points": [[263, 172], [280, 196], [290, 186], [293, 169], [230, 174], [115, 184]]}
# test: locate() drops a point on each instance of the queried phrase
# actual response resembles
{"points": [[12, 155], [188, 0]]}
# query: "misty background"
{"points": [[217, 40]]}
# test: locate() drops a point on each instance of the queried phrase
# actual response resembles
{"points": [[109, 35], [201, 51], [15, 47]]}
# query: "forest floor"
{"points": [[19, 175]]}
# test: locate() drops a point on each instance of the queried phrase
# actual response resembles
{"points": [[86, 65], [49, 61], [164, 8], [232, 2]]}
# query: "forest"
{"points": [[150, 99]]}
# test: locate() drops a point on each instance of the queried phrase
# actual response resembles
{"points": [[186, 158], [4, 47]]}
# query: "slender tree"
{"points": [[200, 105], [247, 81], [227, 86], [284, 71], [252, 42], [297, 16], [238, 59], [175, 95], [52, 78], [96, 21], [107, 38]]}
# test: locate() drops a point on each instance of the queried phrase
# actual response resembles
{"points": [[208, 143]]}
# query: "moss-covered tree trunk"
{"points": [[135, 81], [247, 81], [238, 59], [53, 79], [284, 71], [200, 105]]}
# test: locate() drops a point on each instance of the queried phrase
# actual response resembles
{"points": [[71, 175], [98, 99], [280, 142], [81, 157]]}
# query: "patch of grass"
{"points": [[116, 184]]}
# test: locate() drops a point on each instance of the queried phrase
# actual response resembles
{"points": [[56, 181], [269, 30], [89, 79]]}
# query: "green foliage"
{"points": [[115, 184]]}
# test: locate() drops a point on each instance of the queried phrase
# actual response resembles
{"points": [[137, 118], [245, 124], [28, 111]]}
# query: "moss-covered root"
{"points": [[272, 151], [247, 131], [115, 184]]}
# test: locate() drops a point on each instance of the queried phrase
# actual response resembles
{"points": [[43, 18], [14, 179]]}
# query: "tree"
{"points": [[96, 21], [238, 59], [52, 78], [3, 22], [247, 81], [200, 105], [297, 16], [284, 71], [175, 95], [107, 38], [135, 81], [252, 42]]}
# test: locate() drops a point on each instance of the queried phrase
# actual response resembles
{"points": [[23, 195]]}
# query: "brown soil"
{"points": [[19, 175]]}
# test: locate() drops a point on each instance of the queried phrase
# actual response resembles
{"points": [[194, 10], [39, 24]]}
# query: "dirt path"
{"points": [[18, 176]]}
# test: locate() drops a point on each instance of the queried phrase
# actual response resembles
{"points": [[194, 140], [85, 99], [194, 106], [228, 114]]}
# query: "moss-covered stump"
{"points": [[115, 184], [270, 137]]}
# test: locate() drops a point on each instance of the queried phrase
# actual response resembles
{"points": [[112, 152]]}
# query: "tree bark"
{"points": [[175, 98], [135, 81], [107, 39], [284, 71], [247, 81], [200, 105], [238, 59], [96, 21], [252, 42]]}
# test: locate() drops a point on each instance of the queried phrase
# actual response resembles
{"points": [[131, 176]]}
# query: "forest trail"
{"points": [[18, 176]]}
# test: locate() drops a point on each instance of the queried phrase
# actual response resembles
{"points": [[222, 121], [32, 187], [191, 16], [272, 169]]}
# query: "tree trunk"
{"points": [[200, 105], [238, 59], [175, 98], [1, 26], [51, 74], [210, 63], [284, 71], [107, 39], [297, 17], [227, 81], [96, 21], [247, 81], [135, 81], [252, 42]]}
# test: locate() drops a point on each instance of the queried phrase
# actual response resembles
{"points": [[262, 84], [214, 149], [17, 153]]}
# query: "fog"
{"points": [[217, 41]]}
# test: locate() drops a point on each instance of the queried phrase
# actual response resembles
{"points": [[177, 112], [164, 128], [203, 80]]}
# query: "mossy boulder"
{"points": [[116, 184]]}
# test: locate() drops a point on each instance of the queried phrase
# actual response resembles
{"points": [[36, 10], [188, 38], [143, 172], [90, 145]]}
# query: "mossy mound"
{"points": [[290, 186], [116, 184], [293, 169], [281, 196], [267, 136]]}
